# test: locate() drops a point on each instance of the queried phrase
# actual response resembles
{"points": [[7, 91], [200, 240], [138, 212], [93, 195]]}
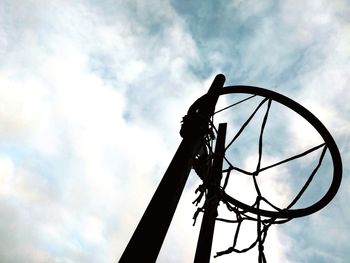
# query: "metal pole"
{"points": [[149, 235], [206, 233]]}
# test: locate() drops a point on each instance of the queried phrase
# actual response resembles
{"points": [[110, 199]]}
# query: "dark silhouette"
{"points": [[196, 151], [151, 230]]}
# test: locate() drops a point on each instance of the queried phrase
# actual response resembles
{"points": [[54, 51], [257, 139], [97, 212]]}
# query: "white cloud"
{"points": [[59, 105], [91, 96], [6, 171]]}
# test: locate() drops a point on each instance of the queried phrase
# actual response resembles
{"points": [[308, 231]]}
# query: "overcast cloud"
{"points": [[91, 98]]}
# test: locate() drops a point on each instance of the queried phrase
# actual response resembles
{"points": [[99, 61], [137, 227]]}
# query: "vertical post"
{"points": [[206, 233], [149, 235]]}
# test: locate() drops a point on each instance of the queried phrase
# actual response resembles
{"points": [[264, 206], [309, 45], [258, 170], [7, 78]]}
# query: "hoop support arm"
{"points": [[149, 235]]}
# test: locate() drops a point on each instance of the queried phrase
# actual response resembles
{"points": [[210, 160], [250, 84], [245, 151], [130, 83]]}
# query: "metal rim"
{"points": [[320, 128]]}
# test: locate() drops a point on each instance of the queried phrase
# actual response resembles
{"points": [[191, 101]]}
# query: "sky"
{"points": [[91, 98]]}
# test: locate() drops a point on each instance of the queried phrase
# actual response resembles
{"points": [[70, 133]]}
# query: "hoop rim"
{"points": [[320, 128]]}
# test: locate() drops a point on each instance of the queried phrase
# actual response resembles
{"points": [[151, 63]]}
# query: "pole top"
{"points": [[217, 84]]}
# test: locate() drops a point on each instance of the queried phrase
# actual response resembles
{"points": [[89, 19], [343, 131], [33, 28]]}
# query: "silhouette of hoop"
{"points": [[324, 133]]}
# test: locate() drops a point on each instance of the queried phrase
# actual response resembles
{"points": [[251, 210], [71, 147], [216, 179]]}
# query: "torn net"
{"points": [[202, 166]]}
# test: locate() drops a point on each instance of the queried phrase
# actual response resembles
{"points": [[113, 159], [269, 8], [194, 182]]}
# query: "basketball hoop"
{"points": [[276, 214]]}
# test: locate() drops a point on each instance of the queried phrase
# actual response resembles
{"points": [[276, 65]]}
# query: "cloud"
{"points": [[92, 94], [78, 125]]}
